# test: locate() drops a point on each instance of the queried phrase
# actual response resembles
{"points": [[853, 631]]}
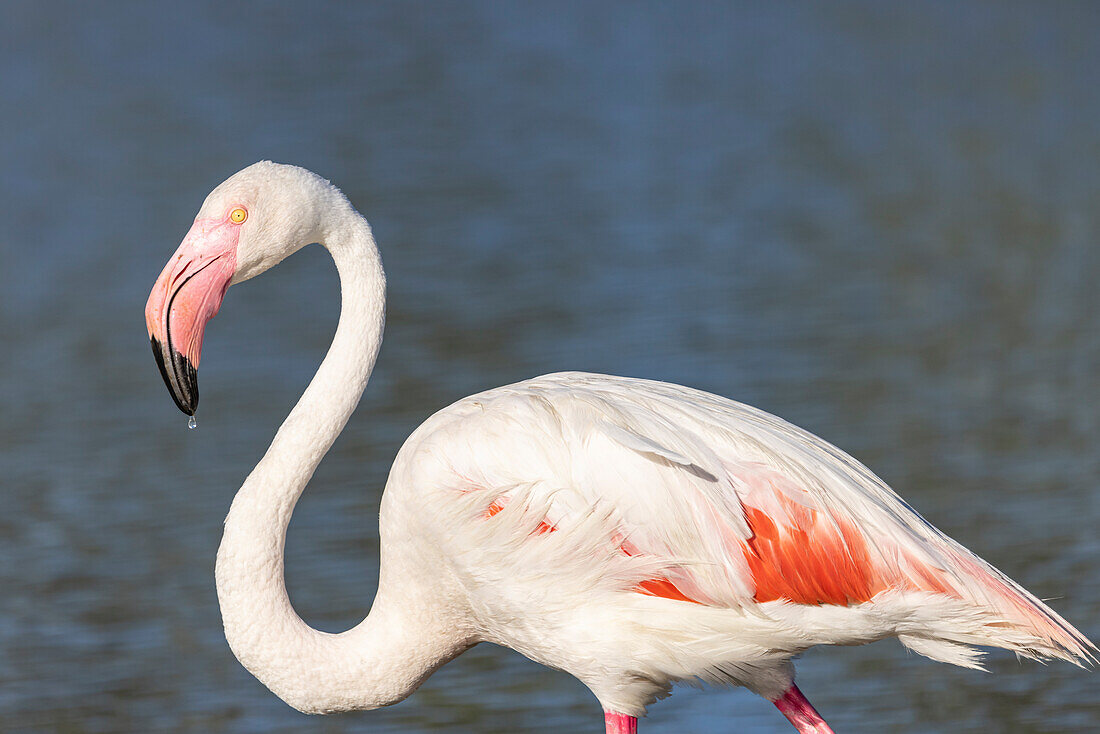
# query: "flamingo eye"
{"points": [[238, 215]]}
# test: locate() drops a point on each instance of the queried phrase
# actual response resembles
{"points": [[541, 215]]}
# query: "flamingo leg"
{"points": [[620, 723], [800, 712]]}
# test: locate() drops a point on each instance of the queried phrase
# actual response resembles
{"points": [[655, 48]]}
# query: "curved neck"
{"points": [[382, 659]]}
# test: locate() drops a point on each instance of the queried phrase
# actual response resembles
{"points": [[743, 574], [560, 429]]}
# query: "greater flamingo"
{"points": [[631, 533]]}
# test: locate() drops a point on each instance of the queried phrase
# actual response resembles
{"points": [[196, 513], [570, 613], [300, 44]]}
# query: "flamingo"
{"points": [[631, 533]]}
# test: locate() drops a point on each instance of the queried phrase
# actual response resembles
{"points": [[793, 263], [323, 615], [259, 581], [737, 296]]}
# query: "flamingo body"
{"points": [[631, 533], [636, 533]]}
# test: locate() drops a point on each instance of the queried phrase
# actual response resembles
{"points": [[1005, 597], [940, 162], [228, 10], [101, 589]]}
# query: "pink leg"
{"points": [[620, 723], [800, 712]]}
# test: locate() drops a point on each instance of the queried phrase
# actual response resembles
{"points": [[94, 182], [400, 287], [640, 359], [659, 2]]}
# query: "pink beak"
{"points": [[187, 294]]}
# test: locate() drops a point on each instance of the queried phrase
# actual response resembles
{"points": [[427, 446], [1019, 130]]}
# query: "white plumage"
{"points": [[631, 533], [668, 469]]}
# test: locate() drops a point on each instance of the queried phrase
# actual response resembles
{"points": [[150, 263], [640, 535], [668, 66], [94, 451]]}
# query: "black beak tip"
{"points": [[179, 375]]}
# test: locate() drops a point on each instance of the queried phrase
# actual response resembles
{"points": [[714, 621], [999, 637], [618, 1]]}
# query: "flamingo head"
{"points": [[249, 223]]}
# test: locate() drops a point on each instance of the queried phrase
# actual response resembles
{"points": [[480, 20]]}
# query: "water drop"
{"points": [[192, 423]]}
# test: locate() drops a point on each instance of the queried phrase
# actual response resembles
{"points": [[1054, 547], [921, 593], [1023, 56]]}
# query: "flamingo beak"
{"points": [[187, 294]]}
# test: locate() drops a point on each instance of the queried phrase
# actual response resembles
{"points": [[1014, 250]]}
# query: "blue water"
{"points": [[878, 221]]}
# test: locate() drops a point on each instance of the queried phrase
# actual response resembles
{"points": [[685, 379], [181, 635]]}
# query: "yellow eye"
{"points": [[238, 215]]}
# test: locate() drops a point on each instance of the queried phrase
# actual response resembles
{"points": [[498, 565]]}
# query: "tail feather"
{"points": [[1026, 625], [955, 653]]}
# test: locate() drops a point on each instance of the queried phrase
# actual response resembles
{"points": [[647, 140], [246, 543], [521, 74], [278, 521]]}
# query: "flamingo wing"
{"points": [[717, 503]]}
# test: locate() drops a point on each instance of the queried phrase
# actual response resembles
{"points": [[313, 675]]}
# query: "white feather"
{"points": [[666, 468]]}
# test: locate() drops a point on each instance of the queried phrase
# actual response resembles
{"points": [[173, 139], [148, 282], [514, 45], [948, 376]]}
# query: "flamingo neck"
{"points": [[385, 657]]}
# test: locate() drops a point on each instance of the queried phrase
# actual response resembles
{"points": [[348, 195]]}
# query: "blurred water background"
{"points": [[878, 220]]}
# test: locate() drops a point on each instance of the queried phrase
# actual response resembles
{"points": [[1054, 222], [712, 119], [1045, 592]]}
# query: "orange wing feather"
{"points": [[817, 559], [805, 559]]}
